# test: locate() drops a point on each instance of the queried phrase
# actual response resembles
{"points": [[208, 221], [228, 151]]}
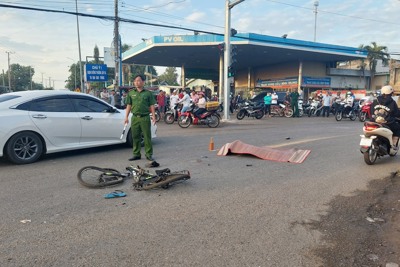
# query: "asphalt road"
{"points": [[235, 211]]}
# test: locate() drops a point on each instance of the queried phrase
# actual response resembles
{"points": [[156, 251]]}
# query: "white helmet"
{"points": [[386, 90]]}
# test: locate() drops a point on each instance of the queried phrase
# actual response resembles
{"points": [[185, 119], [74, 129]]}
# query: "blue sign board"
{"points": [[316, 82], [96, 72]]}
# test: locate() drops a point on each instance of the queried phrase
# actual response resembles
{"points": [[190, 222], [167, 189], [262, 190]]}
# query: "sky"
{"points": [[49, 41]]}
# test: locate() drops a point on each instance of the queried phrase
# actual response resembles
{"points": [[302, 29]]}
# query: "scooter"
{"points": [[209, 118], [251, 110], [365, 111], [376, 141], [173, 114], [315, 108]]}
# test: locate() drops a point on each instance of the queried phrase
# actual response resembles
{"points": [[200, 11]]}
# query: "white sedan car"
{"points": [[34, 123]]}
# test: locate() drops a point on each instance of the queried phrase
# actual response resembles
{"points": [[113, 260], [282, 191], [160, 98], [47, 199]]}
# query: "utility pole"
{"points": [[79, 47], [49, 82], [316, 3], [4, 84], [116, 46], [227, 53], [9, 70], [42, 81], [30, 75]]}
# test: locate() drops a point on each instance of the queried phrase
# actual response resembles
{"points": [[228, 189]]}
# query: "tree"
{"points": [[96, 55], [170, 76], [375, 52], [74, 78]]}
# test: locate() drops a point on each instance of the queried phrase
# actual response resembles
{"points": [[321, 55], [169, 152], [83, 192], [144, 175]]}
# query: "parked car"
{"points": [[34, 123]]}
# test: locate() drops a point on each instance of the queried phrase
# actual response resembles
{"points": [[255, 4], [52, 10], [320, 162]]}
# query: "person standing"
{"points": [[161, 101], [274, 99], [267, 103], [112, 98], [140, 102], [105, 95], [326, 104], [294, 97]]}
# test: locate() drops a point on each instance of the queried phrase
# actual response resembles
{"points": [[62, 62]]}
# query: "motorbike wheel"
{"points": [[240, 115], [310, 112], [301, 112], [259, 114], [363, 116], [158, 116], [353, 116], [184, 121], [288, 113], [169, 118], [371, 155], [339, 116], [213, 121]]}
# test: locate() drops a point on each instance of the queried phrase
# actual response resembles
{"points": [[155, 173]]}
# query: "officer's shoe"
{"points": [[135, 158], [150, 158]]}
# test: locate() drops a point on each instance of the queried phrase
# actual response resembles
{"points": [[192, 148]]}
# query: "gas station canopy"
{"points": [[201, 53]]}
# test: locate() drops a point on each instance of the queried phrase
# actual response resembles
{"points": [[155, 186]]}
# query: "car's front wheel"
{"points": [[129, 139], [24, 148]]}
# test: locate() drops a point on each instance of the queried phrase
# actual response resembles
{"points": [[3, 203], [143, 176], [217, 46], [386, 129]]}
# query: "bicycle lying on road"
{"points": [[95, 177]]}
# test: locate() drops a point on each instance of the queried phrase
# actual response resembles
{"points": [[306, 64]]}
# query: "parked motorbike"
{"points": [[157, 113], [209, 118], [365, 112], [172, 115], [300, 107], [282, 110], [345, 111], [250, 109], [377, 140], [315, 108]]}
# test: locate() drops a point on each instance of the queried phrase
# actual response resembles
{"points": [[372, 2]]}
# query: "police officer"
{"points": [[141, 103]]}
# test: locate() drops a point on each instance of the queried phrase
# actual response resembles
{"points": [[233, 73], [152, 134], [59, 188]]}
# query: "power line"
{"points": [[112, 18], [334, 13]]}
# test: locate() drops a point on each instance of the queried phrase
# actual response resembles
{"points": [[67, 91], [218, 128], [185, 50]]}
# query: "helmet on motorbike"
{"points": [[386, 90], [349, 93]]}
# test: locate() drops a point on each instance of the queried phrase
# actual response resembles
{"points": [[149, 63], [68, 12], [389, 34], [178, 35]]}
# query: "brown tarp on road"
{"points": [[292, 155]]}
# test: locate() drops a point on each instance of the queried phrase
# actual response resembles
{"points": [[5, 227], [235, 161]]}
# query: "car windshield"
{"points": [[4, 98]]}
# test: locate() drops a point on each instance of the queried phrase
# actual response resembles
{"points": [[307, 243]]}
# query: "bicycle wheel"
{"points": [[174, 177], [95, 177]]}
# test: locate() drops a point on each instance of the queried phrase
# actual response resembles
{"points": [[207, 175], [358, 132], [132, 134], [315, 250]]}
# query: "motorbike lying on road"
{"points": [[377, 139], [209, 118], [250, 109]]}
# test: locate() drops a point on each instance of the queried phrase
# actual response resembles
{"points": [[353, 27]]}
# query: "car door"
{"points": [[57, 120], [101, 123]]}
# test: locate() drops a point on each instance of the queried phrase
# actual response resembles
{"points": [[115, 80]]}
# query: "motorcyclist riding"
{"points": [[385, 104], [349, 102]]}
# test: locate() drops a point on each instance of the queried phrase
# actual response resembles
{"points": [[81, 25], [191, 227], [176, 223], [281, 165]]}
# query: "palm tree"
{"points": [[375, 52]]}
